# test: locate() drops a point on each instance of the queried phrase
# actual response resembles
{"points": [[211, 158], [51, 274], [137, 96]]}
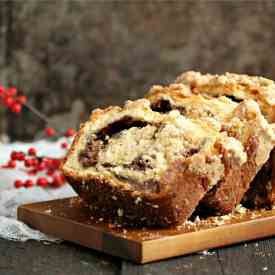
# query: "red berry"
{"points": [[12, 164], [55, 163], [28, 183], [32, 151], [34, 162], [20, 156], [50, 172], [16, 108], [11, 91], [64, 145], [21, 99], [28, 163], [43, 182], [40, 166], [32, 172], [50, 132], [8, 101], [47, 162], [70, 132], [58, 180], [14, 155], [18, 183], [1, 90]]}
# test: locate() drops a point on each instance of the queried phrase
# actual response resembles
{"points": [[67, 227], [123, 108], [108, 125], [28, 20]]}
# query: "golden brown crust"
{"points": [[224, 196], [238, 86], [207, 109]]}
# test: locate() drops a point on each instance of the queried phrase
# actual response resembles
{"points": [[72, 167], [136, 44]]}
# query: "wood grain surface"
{"points": [[36, 258], [70, 220]]}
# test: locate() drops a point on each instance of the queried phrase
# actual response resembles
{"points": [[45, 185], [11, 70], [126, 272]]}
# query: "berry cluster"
{"points": [[11, 99], [29, 161], [34, 164]]}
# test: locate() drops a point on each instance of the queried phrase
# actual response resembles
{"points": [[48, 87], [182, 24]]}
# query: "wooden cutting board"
{"points": [[70, 220]]}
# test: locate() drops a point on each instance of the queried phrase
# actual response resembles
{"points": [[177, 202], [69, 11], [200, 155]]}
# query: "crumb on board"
{"points": [[262, 254], [207, 253], [240, 209], [48, 211], [120, 212], [197, 219]]}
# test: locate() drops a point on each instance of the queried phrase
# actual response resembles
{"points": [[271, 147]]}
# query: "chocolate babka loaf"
{"points": [[240, 87], [151, 163]]}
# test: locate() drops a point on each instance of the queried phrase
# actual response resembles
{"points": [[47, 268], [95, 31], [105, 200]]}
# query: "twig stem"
{"points": [[37, 113]]}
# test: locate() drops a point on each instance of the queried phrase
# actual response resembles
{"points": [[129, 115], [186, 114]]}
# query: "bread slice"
{"points": [[139, 166], [239, 87], [243, 121]]}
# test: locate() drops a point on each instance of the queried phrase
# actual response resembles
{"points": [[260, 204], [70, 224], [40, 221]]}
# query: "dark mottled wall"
{"points": [[72, 56]]}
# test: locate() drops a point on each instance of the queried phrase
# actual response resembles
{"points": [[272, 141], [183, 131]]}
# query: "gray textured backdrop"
{"points": [[72, 56]]}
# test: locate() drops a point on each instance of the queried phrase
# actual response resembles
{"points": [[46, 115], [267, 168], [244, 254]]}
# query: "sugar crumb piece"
{"points": [[256, 244], [219, 220], [138, 200], [240, 209], [188, 223], [48, 211], [265, 268], [189, 265], [120, 212], [197, 219], [253, 215], [207, 253]]}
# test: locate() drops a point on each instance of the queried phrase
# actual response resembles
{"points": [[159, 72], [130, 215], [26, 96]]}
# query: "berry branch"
{"points": [[30, 162]]}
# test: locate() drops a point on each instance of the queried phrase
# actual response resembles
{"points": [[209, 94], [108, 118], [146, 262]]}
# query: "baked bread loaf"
{"points": [[243, 121], [239, 87], [141, 165]]}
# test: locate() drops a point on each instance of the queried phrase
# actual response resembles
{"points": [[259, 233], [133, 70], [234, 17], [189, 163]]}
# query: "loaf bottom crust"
{"points": [[172, 205], [126, 207]]}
